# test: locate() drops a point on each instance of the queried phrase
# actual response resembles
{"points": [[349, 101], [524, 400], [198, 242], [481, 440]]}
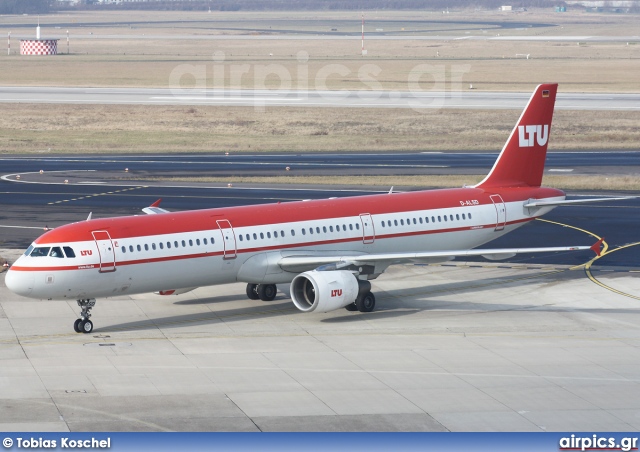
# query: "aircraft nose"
{"points": [[20, 283]]}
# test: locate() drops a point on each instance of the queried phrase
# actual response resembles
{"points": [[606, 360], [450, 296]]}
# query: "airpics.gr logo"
{"points": [[529, 135]]}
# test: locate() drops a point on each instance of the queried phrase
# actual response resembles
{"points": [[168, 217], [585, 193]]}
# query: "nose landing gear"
{"points": [[83, 324]]}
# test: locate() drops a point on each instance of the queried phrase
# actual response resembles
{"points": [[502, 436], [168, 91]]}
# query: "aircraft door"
{"points": [[106, 251], [368, 232], [228, 239], [501, 212]]}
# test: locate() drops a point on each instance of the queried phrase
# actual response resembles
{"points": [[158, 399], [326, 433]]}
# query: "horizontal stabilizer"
{"points": [[568, 202]]}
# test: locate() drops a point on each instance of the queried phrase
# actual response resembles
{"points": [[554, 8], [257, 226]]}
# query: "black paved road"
{"points": [[350, 163]]}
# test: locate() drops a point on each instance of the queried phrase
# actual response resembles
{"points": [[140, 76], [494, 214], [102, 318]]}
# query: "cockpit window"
{"points": [[56, 251], [40, 251], [26, 253], [69, 251]]}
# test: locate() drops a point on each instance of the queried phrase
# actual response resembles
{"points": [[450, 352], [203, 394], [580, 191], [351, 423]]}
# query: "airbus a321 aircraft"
{"points": [[327, 249]]}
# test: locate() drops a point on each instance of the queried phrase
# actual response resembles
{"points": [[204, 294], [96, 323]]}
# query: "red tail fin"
{"points": [[521, 161]]}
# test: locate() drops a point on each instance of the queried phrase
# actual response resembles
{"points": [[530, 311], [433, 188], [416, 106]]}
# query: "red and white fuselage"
{"points": [[328, 249], [170, 251]]}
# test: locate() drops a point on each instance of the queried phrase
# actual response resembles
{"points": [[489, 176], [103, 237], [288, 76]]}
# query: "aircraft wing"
{"points": [[154, 208], [293, 263]]}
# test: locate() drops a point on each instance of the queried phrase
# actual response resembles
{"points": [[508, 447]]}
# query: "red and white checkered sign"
{"points": [[39, 47]]}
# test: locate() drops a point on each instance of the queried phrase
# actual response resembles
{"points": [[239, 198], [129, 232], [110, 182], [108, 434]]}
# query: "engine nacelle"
{"points": [[324, 291], [175, 291]]}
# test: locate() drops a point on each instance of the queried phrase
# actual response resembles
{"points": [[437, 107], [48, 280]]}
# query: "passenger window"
{"points": [[463, 217], [293, 232], [153, 246], [168, 245], [282, 233], [357, 226], [161, 245], [212, 241], [139, 248], [351, 227], [415, 222], [146, 247], [457, 217], [310, 230], [268, 235], [401, 222], [395, 222], [439, 219], [124, 249], [255, 236], [184, 244], [330, 228], [304, 232], [324, 229], [198, 242], [445, 217], [426, 220], [344, 227], [318, 230], [275, 234], [175, 243], [56, 251], [451, 217], [469, 215], [190, 242], [69, 251], [433, 219], [204, 241], [262, 236], [131, 248], [40, 251], [241, 237]]}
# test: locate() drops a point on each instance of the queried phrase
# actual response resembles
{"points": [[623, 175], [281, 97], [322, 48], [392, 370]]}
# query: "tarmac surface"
{"points": [[450, 348], [312, 98]]}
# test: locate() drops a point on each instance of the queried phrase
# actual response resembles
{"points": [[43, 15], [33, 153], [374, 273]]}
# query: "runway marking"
{"points": [[589, 273], [21, 227], [605, 251], [96, 194]]}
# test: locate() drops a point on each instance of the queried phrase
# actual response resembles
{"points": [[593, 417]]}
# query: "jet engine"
{"points": [[324, 291]]}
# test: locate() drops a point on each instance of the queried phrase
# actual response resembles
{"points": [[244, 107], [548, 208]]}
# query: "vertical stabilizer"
{"points": [[521, 162]]}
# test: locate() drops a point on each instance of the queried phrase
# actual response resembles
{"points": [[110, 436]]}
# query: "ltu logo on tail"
{"points": [[530, 134]]}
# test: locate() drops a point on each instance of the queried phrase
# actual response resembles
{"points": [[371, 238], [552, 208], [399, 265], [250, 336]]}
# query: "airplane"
{"points": [[328, 250]]}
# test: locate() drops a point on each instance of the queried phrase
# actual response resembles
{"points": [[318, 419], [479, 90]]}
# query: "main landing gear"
{"points": [[365, 302], [264, 292], [83, 324]]}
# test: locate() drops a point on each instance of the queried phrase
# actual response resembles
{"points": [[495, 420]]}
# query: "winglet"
{"points": [[154, 208], [596, 247]]}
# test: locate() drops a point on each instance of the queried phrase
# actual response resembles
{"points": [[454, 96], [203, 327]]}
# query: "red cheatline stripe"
{"points": [[258, 249]]}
